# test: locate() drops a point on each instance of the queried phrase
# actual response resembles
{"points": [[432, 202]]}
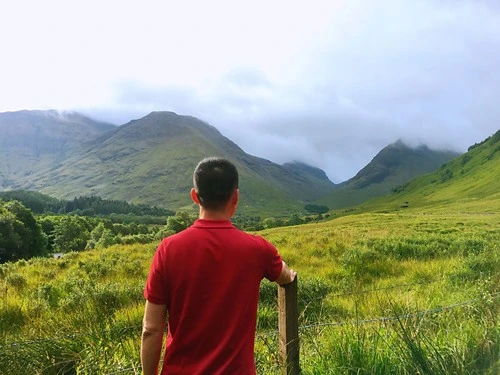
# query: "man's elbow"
{"points": [[149, 329]]}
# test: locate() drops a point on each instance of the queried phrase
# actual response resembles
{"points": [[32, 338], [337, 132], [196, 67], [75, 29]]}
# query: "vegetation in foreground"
{"points": [[403, 292]]}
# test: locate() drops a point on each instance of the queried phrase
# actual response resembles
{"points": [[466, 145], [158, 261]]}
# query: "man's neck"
{"points": [[213, 215]]}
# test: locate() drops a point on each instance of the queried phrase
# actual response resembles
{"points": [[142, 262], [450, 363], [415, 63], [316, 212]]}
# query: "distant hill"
{"points": [[470, 178], [37, 140], [151, 160], [393, 166]]}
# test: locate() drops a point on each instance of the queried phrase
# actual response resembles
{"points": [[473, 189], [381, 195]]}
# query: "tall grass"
{"points": [[373, 298]]}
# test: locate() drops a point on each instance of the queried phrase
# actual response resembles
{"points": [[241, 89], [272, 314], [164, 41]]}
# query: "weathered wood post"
{"points": [[288, 325]]}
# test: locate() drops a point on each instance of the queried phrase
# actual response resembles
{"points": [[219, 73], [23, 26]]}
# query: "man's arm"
{"points": [[286, 276], [153, 327]]}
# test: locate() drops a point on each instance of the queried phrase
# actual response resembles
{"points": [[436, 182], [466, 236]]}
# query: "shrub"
{"points": [[16, 281], [12, 319]]}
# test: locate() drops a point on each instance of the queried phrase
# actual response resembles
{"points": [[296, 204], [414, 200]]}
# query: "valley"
{"points": [[402, 283]]}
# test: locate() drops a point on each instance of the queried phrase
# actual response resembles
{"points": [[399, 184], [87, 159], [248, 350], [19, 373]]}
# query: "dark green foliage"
{"points": [[71, 233], [98, 206], [272, 222], [83, 205], [294, 219], [317, 209], [400, 188], [465, 159], [248, 223], [446, 175], [21, 237], [101, 237], [37, 202], [180, 221], [495, 138]]}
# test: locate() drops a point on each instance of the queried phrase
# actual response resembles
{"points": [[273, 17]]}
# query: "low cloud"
{"points": [[330, 84]]}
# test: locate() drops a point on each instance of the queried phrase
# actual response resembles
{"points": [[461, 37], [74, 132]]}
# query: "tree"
{"points": [[71, 233], [316, 209], [179, 222], [295, 219], [21, 237], [272, 222], [101, 237]]}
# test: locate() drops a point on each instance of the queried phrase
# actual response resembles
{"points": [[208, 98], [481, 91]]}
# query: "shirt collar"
{"points": [[204, 223]]}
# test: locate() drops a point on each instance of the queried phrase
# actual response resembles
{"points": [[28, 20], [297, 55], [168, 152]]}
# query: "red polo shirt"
{"points": [[209, 276]]}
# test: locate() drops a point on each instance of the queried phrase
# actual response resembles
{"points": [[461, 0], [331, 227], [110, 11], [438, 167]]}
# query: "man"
{"points": [[207, 279]]}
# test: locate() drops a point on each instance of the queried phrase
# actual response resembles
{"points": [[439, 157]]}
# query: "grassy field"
{"points": [[396, 292]]}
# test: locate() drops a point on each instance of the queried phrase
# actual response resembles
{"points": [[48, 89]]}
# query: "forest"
{"points": [[35, 225]]}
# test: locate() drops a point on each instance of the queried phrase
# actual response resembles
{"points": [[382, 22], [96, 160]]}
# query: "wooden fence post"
{"points": [[288, 325]]}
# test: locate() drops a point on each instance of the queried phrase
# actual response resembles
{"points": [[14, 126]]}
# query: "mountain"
{"points": [[36, 140], [393, 166], [471, 179], [151, 160]]}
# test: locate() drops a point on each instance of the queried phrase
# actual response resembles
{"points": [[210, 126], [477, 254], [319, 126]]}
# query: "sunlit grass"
{"points": [[82, 313]]}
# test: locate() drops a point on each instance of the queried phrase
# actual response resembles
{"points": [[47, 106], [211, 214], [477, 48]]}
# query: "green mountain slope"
{"points": [[393, 166], [151, 160], [36, 140], [471, 179]]}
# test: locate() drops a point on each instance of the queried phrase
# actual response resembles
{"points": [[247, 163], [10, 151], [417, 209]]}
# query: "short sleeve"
{"points": [[155, 290], [274, 263]]}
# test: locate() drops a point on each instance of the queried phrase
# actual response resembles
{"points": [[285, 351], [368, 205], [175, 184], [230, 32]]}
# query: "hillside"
{"points": [[151, 160], [37, 140], [393, 166], [472, 178]]}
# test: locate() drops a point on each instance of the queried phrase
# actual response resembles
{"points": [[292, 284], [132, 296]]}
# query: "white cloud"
{"points": [[326, 82]]}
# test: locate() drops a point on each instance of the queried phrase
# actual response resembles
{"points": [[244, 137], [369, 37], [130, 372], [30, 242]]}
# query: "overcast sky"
{"points": [[329, 83]]}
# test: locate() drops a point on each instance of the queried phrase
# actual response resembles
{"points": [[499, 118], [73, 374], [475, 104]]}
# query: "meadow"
{"points": [[410, 291]]}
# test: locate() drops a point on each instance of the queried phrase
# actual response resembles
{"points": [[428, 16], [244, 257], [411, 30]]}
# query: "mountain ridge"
{"points": [[40, 139], [470, 177], [395, 165], [150, 160]]}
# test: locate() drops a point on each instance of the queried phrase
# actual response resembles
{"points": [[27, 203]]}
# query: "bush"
{"points": [[11, 319], [21, 237], [16, 281]]}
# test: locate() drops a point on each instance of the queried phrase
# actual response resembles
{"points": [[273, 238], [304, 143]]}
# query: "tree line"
{"points": [[24, 235], [30, 228], [83, 205]]}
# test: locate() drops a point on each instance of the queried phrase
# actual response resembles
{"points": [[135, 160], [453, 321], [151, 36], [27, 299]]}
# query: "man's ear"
{"points": [[194, 196], [236, 196]]}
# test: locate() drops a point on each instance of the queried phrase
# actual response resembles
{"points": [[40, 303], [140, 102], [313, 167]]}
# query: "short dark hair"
{"points": [[214, 180]]}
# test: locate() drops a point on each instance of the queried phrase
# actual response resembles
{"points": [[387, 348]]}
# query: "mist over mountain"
{"points": [[150, 160], [471, 178], [394, 165], [36, 140]]}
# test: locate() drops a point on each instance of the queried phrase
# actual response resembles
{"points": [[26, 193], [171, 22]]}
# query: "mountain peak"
{"points": [[394, 165], [404, 145], [151, 160]]}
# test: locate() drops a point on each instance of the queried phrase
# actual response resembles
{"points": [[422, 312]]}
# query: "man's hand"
{"points": [[286, 276]]}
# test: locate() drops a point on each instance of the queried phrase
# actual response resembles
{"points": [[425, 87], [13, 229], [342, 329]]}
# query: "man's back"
{"points": [[209, 277], [206, 279]]}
